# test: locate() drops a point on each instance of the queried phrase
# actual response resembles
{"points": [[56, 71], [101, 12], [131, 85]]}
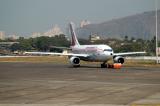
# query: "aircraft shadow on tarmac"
{"points": [[88, 66]]}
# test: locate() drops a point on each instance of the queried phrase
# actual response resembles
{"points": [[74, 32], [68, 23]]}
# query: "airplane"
{"points": [[92, 53]]}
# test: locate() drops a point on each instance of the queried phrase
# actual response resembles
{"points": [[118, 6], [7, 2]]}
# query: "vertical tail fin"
{"points": [[74, 40]]}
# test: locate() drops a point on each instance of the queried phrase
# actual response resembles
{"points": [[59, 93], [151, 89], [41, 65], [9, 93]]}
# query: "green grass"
{"points": [[64, 60], [53, 59], [144, 63]]}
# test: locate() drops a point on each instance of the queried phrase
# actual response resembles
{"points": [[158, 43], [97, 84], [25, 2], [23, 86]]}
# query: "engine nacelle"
{"points": [[118, 59], [75, 61]]}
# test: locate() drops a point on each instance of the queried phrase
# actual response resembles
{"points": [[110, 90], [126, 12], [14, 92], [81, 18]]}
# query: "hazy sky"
{"points": [[26, 16]]}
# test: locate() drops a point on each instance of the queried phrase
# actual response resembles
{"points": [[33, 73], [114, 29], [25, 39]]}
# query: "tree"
{"points": [[126, 38], [15, 47], [42, 43], [24, 44]]}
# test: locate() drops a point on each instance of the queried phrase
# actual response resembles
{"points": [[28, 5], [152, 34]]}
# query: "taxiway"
{"points": [[60, 84]]}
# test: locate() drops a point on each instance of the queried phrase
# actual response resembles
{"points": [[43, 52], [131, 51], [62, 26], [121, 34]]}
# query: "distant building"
{"points": [[94, 37], [50, 33], [2, 35], [36, 34], [13, 37], [6, 45], [84, 23], [53, 32]]}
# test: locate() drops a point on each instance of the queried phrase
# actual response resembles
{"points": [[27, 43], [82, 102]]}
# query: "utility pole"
{"points": [[156, 34]]}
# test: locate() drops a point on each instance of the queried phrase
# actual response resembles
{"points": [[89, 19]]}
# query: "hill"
{"points": [[137, 26]]}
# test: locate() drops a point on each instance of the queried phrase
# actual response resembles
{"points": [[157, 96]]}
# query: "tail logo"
{"points": [[74, 40]]}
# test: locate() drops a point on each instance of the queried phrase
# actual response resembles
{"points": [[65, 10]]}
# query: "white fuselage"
{"points": [[99, 53]]}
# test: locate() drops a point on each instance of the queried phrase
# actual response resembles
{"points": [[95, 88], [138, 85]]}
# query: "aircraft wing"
{"points": [[128, 53], [57, 54]]}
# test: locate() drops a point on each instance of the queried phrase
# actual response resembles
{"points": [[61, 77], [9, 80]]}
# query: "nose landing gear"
{"points": [[114, 65], [104, 65]]}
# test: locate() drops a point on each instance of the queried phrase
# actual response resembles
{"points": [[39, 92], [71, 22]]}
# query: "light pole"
{"points": [[156, 34]]}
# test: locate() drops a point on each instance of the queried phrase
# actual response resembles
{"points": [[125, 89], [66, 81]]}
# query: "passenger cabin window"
{"points": [[109, 50]]}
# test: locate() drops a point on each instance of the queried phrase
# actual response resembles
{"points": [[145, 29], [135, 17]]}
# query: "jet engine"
{"points": [[118, 59], [75, 61]]}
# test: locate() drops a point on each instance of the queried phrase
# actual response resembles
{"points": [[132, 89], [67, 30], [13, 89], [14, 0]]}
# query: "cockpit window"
{"points": [[109, 50]]}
